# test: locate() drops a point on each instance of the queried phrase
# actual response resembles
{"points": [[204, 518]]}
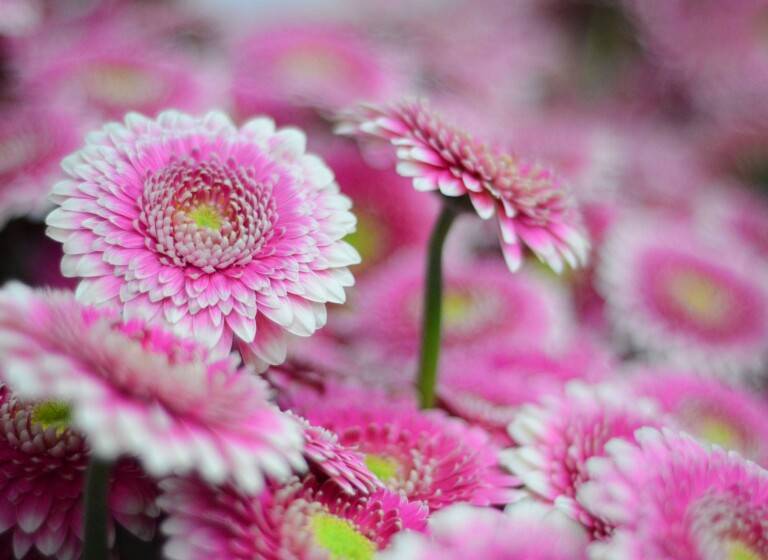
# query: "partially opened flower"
{"points": [[681, 297], [707, 408], [425, 455], [222, 232], [33, 139], [132, 389], [42, 464], [532, 206], [302, 520], [671, 497], [556, 439], [461, 531]]}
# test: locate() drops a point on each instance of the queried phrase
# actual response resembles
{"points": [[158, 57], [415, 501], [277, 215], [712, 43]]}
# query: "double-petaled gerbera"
{"points": [[531, 204], [304, 519], [135, 390], [222, 232], [671, 497]]}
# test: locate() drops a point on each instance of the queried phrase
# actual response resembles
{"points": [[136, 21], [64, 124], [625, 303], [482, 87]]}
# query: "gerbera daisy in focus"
{"points": [[482, 306], [707, 408], [222, 232], [488, 386], [42, 464], [303, 520], [459, 532], [286, 70], [557, 437], [531, 204], [33, 139], [427, 456], [680, 297], [197, 414], [671, 497]]}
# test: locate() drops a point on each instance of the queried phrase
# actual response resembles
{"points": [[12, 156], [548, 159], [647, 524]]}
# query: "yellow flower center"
{"points": [[52, 414], [701, 298], [737, 550], [383, 467], [340, 538], [310, 63], [206, 216], [456, 307], [121, 84], [718, 432]]}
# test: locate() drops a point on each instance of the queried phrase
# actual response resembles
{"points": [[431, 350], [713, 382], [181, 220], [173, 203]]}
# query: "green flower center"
{"points": [[52, 414], [383, 467], [457, 306], [718, 432], [700, 297], [206, 216], [737, 550], [340, 538]]}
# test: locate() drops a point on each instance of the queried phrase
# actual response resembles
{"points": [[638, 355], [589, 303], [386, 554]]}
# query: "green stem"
{"points": [[433, 308], [95, 521]]}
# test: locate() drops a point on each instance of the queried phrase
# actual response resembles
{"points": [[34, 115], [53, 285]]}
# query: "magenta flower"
{"points": [[460, 532], [42, 464], [531, 204], [712, 411], [559, 436], [672, 294], [222, 232], [427, 456], [672, 497], [302, 520], [132, 389]]}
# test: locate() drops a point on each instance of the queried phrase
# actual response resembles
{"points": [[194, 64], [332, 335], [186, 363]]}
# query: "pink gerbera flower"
{"points": [[137, 390], [460, 532], [481, 304], [559, 436], [671, 497], [302, 520], [427, 456], [731, 417], [33, 139], [684, 298], [220, 231], [531, 204], [285, 70], [42, 464]]}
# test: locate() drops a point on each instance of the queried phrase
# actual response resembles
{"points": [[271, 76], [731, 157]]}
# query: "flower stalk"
{"points": [[433, 307], [95, 522]]}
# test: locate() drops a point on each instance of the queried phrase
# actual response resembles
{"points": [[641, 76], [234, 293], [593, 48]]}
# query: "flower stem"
{"points": [[433, 308], [95, 522]]}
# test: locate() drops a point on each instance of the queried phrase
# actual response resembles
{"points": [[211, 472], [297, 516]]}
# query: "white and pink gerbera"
{"points": [[527, 530], [302, 520], [223, 232], [425, 455], [557, 437], [133, 389], [671, 497], [732, 417], [684, 298], [532, 206]]}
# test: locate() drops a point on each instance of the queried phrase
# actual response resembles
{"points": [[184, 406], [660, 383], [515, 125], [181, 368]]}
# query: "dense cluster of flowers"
{"points": [[398, 281]]}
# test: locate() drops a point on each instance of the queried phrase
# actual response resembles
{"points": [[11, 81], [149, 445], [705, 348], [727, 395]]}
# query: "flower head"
{"points": [[529, 200], [303, 519], [222, 232], [137, 390], [427, 456], [556, 439], [461, 531], [670, 293], [672, 497], [42, 464]]}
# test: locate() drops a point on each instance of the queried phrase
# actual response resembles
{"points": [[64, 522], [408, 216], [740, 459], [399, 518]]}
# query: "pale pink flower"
{"points": [[459, 532], [557, 437], [42, 464], [532, 206], [707, 408], [222, 232], [425, 455], [671, 497], [685, 298], [140, 391], [302, 520]]}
